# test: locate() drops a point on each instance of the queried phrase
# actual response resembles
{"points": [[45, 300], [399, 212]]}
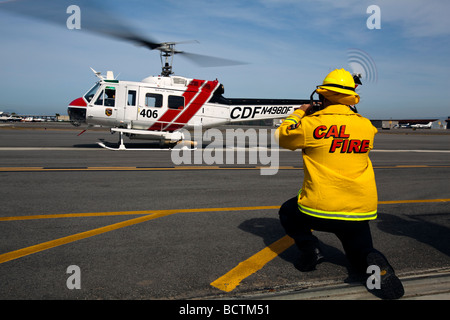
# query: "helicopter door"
{"points": [[151, 104], [102, 109], [131, 105]]}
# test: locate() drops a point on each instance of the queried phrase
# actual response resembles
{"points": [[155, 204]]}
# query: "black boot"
{"points": [[310, 257], [390, 286]]}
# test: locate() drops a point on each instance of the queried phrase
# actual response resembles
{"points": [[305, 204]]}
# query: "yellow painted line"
{"points": [[50, 169], [58, 242], [400, 166], [148, 215], [73, 215], [233, 278], [181, 168], [411, 166], [226, 283], [145, 212], [413, 201], [7, 169], [123, 213]]}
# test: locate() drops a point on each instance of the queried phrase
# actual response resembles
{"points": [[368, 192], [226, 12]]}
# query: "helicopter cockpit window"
{"points": [[107, 97], [88, 96], [176, 102], [153, 100]]}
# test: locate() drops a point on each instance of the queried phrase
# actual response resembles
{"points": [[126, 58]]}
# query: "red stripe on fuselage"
{"points": [[195, 105], [167, 117], [170, 114]]}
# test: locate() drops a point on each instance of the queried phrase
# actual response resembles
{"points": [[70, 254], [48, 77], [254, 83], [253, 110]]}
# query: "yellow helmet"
{"points": [[339, 87]]}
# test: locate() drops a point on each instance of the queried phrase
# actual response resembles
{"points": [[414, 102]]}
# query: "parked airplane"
{"points": [[422, 126]]}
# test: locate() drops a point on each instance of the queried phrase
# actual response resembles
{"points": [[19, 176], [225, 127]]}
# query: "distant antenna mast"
{"points": [[97, 74], [109, 75]]}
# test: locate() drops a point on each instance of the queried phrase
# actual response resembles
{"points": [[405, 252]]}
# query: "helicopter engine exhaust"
{"points": [[186, 144]]}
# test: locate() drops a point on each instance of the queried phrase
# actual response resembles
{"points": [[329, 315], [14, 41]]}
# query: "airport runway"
{"points": [[137, 226]]}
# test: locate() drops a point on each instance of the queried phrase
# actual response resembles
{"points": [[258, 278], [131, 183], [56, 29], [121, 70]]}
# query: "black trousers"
{"points": [[355, 236]]}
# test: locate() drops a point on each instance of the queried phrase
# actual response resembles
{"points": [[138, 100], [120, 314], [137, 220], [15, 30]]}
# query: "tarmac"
{"points": [[163, 259]]}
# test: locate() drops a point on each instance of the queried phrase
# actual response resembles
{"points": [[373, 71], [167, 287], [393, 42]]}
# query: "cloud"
{"points": [[290, 46], [418, 19]]}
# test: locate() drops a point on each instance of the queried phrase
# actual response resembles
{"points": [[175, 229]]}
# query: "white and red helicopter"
{"points": [[159, 107]]}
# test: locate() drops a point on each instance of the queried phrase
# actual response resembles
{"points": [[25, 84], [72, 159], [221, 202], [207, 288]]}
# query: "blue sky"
{"points": [[290, 46]]}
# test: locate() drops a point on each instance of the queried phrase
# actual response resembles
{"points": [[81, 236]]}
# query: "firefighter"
{"points": [[339, 193]]}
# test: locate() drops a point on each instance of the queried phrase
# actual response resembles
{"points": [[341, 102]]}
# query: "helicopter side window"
{"points": [[131, 98], [88, 96], [176, 102], [153, 100], [107, 97]]}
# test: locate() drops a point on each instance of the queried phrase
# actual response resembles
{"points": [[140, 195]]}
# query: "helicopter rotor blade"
{"points": [[96, 19], [93, 17], [210, 61]]}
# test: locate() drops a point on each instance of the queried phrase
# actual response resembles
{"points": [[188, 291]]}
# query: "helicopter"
{"points": [[157, 107], [160, 107]]}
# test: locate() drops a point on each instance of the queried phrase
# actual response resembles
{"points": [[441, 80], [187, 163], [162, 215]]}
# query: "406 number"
{"points": [[148, 113]]}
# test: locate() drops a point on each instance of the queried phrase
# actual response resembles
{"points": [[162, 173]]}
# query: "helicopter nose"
{"points": [[77, 111]]}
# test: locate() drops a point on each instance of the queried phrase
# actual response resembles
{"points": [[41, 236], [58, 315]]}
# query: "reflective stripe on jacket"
{"points": [[339, 181]]}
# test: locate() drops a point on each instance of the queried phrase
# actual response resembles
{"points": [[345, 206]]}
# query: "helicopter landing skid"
{"points": [[122, 147], [179, 146]]}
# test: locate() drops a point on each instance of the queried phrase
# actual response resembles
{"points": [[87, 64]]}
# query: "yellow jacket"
{"points": [[339, 180]]}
